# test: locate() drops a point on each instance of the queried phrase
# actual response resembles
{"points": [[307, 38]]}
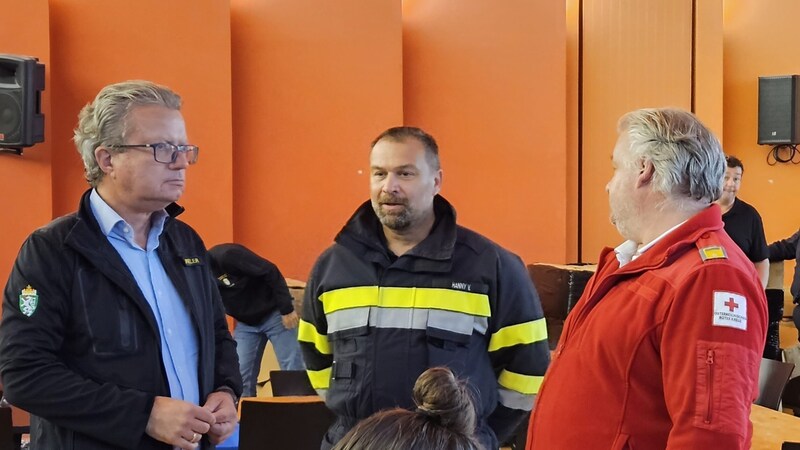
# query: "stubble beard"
{"points": [[396, 221]]}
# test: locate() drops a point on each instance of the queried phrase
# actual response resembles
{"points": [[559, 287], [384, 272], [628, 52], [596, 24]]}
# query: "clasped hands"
{"points": [[182, 424]]}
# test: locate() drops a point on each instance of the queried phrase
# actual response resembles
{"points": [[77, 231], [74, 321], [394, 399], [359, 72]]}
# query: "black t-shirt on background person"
{"points": [[743, 224]]}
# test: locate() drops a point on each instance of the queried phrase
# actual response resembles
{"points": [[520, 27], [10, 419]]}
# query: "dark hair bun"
{"points": [[445, 400]]}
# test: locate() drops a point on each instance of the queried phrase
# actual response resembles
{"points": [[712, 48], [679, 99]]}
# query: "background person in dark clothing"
{"points": [[742, 222], [255, 294], [781, 251]]}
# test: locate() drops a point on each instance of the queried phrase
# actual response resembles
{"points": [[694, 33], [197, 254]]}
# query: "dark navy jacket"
{"points": [[87, 362], [373, 322]]}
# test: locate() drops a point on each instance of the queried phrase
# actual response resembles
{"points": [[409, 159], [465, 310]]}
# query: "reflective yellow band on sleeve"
{"points": [[521, 333], [524, 384], [308, 333], [320, 379]]}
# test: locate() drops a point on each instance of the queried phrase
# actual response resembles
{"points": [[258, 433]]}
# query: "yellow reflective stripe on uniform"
{"points": [[320, 379], [352, 297], [406, 297], [434, 298], [525, 384], [521, 333], [308, 333]]}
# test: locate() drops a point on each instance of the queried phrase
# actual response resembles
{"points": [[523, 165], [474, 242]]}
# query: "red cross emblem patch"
{"points": [[730, 310]]}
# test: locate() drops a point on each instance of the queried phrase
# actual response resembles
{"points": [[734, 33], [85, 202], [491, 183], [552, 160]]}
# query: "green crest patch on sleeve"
{"points": [[28, 301]]}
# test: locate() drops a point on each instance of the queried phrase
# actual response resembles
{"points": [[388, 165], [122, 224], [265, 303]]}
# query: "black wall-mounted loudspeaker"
{"points": [[779, 110], [21, 86]]}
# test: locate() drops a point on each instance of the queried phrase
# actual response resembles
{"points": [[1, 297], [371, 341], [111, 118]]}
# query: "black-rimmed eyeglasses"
{"points": [[165, 152]]}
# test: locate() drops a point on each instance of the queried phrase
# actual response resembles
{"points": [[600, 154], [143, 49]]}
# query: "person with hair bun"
{"points": [[444, 419]]}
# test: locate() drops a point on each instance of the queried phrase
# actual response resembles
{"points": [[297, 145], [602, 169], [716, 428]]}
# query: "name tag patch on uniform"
{"points": [[191, 261], [730, 310], [461, 286]]}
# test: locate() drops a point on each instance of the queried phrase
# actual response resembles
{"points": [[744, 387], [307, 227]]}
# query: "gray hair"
{"points": [[688, 160], [103, 121]]}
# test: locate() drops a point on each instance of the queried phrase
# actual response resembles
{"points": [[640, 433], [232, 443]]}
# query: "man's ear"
{"points": [[103, 157], [646, 173]]}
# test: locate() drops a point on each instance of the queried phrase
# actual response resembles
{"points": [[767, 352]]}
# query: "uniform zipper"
{"points": [[709, 383]]}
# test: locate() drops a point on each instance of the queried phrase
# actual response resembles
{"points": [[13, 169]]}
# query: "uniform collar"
{"points": [[630, 250], [364, 229], [675, 242], [108, 219]]}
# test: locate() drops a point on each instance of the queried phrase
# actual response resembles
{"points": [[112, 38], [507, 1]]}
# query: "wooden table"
{"points": [[771, 428]]}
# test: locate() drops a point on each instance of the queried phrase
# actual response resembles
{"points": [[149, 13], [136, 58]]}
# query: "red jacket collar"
{"points": [[672, 245]]}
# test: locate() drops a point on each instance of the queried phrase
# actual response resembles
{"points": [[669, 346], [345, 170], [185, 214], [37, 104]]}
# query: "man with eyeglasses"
{"points": [[113, 331]]}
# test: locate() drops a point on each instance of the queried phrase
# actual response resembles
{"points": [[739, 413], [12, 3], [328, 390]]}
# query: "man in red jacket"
{"points": [[666, 341]]}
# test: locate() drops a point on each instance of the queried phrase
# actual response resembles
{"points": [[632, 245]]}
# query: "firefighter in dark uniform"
{"points": [[404, 288]]}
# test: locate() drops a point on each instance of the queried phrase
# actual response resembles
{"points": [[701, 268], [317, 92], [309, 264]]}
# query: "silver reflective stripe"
{"points": [[403, 318], [346, 319], [451, 321], [481, 324], [515, 400], [322, 393], [406, 319]]}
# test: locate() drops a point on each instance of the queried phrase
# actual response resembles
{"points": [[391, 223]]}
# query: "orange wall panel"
{"points": [[97, 43], [488, 81], [708, 64], [573, 128], [760, 40], [313, 83], [635, 55], [25, 180]]}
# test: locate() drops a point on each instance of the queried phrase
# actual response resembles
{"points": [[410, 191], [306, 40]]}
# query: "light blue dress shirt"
{"points": [[179, 348]]}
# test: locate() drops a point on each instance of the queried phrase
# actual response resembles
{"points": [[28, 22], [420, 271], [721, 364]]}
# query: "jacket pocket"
{"points": [[348, 330], [448, 336], [723, 386], [108, 314]]}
